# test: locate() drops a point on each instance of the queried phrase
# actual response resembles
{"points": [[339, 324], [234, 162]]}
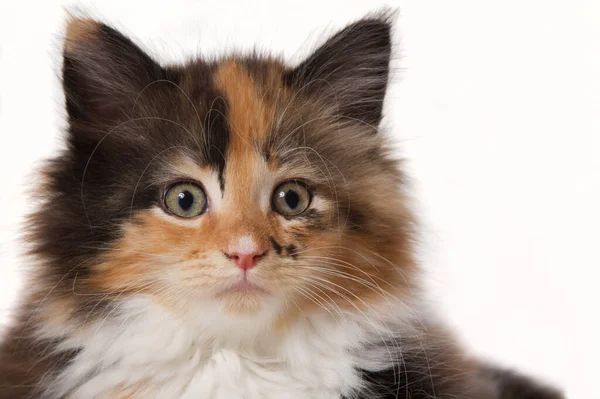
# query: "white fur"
{"points": [[209, 353], [244, 245]]}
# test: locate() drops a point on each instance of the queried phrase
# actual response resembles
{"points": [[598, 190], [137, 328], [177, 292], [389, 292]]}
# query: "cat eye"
{"points": [[186, 200], [291, 198]]}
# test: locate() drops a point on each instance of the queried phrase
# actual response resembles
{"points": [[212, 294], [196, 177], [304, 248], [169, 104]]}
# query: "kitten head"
{"points": [[241, 182]]}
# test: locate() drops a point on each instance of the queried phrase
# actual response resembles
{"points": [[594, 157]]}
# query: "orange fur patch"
{"points": [[249, 115], [127, 267], [249, 119]]}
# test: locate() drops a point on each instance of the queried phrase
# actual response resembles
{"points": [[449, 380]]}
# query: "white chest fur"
{"points": [[146, 352]]}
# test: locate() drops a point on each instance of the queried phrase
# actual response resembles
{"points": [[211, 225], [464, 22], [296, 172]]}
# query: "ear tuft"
{"points": [[80, 31], [350, 70]]}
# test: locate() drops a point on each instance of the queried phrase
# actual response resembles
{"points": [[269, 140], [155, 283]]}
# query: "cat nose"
{"points": [[245, 261], [245, 252]]}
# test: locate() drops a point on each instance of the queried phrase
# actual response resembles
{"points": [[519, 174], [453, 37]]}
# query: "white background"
{"points": [[495, 105]]}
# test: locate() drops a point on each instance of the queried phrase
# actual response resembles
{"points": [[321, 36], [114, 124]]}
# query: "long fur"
{"points": [[128, 300]]}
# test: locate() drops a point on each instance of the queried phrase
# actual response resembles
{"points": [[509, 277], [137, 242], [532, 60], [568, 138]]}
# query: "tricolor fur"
{"points": [[129, 301]]}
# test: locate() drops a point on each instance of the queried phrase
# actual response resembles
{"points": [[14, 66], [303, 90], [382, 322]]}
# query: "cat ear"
{"points": [[103, 72], [351, 69]]}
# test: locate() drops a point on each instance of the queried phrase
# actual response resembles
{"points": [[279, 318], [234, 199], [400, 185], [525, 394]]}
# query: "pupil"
{"points": [[186, 200], [292, 199]]}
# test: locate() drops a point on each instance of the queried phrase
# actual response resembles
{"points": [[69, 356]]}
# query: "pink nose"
{"points": [[245, 261]]}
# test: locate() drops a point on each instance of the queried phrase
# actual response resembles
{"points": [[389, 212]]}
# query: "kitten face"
{"points": [[297, 200]]}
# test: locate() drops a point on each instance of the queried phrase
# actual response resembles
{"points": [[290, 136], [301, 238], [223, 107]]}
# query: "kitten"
{"points": [[230, 228]]}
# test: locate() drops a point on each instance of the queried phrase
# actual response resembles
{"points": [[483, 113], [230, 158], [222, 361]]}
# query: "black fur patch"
{"points": [[420, 375], [292, 251], [276, 246], [289, 250], [217, 137]]}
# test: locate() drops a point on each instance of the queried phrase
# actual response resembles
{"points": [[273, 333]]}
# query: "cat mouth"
{"points": [[242, 286]]}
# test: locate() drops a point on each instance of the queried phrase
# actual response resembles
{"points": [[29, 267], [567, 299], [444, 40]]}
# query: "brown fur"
{"points": [[80, 31]]}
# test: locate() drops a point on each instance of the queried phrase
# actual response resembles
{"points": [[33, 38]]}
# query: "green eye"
{"points": [[186, 200], [291, 198]]}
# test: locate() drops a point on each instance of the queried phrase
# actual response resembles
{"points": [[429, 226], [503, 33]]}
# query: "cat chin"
{"points": [[241, 301]]}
